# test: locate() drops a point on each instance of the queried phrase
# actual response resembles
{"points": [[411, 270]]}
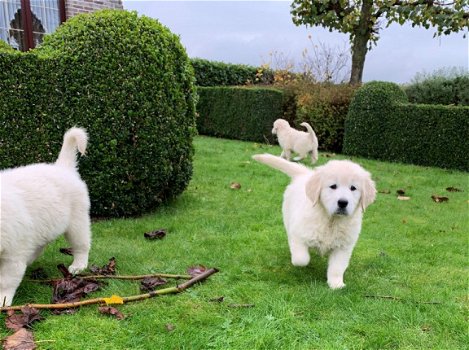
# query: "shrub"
{"points": [[441, 87], [212, 73], [324, 107], [382, 125], [4, 46], [129, 82], [240, 113]]}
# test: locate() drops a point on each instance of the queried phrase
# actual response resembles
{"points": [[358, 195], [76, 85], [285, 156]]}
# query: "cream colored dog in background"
{"points": [[323, 208], [38, 203], [292, 140]]}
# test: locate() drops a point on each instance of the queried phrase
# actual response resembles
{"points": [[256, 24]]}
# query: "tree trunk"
{"points": [[360, 42]]}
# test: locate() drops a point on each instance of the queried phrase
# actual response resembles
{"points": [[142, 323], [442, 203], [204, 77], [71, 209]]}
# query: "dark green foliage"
{"points": [[382, 125], [440, 89], [129, 82], [239, 113], [211, 73]]}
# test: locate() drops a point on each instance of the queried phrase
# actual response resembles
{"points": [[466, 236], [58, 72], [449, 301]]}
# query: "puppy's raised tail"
{"points": [[289, 168], [74, 138], [314, 152]]}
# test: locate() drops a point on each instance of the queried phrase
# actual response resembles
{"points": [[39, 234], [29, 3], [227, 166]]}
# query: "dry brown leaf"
{"points": [[22, 339], [109, 269], [453, 189], [157, 234], [235, 186], [24, 319], [196, 270], [150, 283], [66, 251], [439, 199], [384, 191], [403, 198], [110, 310], [170, 327]]}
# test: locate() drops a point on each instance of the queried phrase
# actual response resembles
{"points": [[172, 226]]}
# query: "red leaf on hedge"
{"points": [[24, 319], [109, 269], [439, 199], [196, 270], [22, 339], [109, 310], [157, 234], [150, 283]]}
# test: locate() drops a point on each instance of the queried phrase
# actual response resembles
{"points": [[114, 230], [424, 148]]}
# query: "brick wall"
{"points": [[74, 7]]}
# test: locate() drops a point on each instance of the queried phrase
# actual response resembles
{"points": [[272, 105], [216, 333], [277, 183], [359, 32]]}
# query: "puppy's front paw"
{"points": [[74, 269], [336, 283]]}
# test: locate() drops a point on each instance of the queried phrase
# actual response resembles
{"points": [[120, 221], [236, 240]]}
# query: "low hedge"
{"points": [[239, 113], [212, 73], [381, 124], [129, 82]]}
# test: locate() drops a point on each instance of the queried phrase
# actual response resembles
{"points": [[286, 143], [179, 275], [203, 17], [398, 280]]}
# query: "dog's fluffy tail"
{"points": [[314, 152], [289, 168], [74, 138]]}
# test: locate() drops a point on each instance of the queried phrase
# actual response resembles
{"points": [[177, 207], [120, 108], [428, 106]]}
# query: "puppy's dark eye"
{"points": [[333, 186], [353, 188]]}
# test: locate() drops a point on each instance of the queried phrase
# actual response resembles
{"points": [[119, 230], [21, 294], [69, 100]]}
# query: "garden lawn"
{"points": [[406, 284]]}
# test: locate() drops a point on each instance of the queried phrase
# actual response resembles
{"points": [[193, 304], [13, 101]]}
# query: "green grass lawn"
{"points": [[414, 251]]}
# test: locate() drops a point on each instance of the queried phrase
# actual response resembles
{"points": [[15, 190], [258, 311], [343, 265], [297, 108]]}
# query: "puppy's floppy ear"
{"points": [[368, 192], [313, 187]]}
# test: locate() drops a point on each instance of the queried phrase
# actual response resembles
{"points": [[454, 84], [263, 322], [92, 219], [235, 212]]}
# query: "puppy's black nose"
{"points": [[342, 203]]}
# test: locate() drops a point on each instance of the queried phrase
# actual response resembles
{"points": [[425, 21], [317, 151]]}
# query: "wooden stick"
{"points": [[390, 297], [119, 277], [173, 290]]}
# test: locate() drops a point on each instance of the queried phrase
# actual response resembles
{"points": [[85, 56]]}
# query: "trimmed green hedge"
{"points": [[381, 124], [212, 73], [239, 113], [129, 82], [451, 88]]}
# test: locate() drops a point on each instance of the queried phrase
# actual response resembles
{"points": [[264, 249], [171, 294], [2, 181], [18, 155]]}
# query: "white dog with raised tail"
{"points": [[323, 208], [38, 203], [292, 140]]}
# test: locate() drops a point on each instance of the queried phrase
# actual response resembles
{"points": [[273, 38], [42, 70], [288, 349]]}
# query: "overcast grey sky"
{"points": [[247, 31]]}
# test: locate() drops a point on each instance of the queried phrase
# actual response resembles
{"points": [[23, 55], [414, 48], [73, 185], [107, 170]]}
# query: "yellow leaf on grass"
{"points": [[114, 299]]}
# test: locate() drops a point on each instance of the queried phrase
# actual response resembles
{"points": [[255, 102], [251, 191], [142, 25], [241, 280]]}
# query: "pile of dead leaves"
{"points": [[21, 323]]}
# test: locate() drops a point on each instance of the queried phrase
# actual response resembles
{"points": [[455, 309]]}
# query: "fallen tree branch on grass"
{"points": [[117, 277], [120, 300]]}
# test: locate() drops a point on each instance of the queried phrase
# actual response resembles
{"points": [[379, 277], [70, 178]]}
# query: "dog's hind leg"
{"points": [[11, 273], [78, 235]]}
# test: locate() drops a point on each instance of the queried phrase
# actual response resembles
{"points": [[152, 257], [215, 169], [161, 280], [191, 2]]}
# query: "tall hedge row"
{"points": [[212, 73], [239, 113], [129, 82], [381, 124]]}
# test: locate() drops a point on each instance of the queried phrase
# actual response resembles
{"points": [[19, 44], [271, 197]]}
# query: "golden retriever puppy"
{"points": [[292, 140], [323, 209], [38, 203]]}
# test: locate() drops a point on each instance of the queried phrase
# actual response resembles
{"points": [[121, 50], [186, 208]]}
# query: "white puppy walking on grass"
{"points": [[323, 208], [38, 203], [292, 140]]}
